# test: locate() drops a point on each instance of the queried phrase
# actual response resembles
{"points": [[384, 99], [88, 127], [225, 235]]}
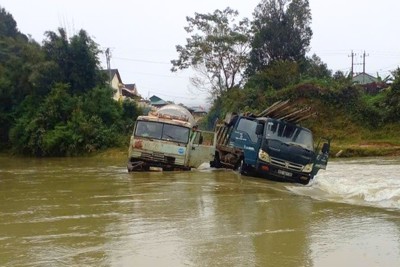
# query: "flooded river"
{"points": [[92, 212]]}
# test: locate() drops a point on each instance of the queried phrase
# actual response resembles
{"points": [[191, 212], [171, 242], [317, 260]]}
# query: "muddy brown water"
{"points": [[92, 212]]}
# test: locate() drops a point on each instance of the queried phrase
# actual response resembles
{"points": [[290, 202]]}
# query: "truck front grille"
{"points": [[286, 164], [159, 157]]}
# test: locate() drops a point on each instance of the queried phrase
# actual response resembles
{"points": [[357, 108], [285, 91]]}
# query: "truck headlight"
{"points": [[308, 167], [262, 155]]}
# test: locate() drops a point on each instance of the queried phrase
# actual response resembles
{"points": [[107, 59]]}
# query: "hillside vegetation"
{"points": [[358, 123], [56, 101]]}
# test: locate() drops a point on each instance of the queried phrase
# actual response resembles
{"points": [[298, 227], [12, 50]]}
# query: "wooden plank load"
{"points": [[284, 110]]}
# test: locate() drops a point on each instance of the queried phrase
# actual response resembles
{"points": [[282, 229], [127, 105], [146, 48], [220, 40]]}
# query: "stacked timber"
{"points": [[283, 110]]}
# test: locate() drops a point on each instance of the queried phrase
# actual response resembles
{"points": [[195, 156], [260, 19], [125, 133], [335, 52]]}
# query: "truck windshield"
{"points": [[162, 131], [249, 127], [289, 134]]}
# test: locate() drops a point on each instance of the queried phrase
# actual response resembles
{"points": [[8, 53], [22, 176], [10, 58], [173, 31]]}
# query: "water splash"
{"points": [[369, 182]]}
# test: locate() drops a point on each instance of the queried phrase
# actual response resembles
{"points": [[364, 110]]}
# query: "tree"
{"points": [[18, 57], [76, 59], [281, 32], [339, 76], [278, 75], [393, 98], [8, 26], [217, 50], [313, 67]]}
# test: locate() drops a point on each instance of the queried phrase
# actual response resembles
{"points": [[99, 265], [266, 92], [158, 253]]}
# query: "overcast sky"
{"points": [[142, 35]]}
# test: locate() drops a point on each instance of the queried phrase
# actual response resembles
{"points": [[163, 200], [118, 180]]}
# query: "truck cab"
{"points": [[287, 152], [271, 148], [166, 140]]}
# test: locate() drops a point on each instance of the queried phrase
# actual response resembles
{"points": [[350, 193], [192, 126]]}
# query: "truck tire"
{"points": [[304, 182], [216, 163], [243, 168]]}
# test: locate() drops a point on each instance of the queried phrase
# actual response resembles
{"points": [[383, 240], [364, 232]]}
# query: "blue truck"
{"points": [[272, 145]]}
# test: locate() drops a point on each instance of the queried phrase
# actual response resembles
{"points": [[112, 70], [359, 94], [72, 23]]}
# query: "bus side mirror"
{"points": [[259, 129]]}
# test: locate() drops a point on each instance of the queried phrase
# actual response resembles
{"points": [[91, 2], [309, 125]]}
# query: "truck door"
{"points": [[201, 148], [321, 160], [244, 137]]}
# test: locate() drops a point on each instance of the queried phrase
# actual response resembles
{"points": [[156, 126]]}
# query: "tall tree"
{"points": [[393, 98], [281, 31], [76, 59], [217, 50], [18, 57], [8, 26]]}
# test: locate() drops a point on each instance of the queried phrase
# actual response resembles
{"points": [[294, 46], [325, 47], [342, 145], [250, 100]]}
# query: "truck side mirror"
{"points": [[325, 148], [259, 129]]}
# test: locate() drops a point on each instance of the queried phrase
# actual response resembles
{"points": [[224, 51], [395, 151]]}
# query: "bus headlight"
{"points": [[262, 155], [308, 167]]}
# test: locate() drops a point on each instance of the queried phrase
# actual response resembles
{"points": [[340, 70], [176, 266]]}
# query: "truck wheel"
{"points": [[304, 182], [243, 168], [216, 163]]}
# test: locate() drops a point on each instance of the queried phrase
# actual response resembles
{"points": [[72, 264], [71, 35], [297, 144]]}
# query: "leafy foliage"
{"points": [[8, 26], [76, 60], [313, 67], [278, 75], [217, 50], [55, 101], [393, 98], [281, 32], [18, 57]]}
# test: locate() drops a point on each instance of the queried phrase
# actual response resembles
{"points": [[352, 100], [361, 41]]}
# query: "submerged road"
{"points": [[92, 212]]}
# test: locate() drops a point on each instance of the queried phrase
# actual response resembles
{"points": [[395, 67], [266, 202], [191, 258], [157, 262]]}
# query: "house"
{"points": [[130, 90], [198, 111], [115, 82], [370, 84], [121, 90], [364, 78]]}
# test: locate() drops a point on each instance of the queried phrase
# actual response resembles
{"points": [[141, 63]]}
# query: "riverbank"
{"points": [[363, 149], [116, 152], [342, 150]]}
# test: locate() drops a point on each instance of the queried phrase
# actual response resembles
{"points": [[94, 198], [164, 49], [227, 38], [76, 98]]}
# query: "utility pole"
{"points": [[364, 55], [352, 63], [108, 58]]}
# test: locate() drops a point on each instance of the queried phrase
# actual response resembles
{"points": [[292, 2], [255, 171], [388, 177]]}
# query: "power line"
{"points": [[160, 75], [143, 61], [173, 96]]}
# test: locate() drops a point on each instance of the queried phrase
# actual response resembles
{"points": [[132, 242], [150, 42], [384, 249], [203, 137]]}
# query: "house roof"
{"points": [[156, 101], [132, 88], [364, 78], [112, 73], [155, 98]]}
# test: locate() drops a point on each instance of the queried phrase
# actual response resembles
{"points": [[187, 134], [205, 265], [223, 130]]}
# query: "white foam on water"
{"points": [[371, 182]]}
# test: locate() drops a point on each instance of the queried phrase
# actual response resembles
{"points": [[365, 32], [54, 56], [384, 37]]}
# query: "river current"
{"points": [[92, 212], [370, 181]]}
